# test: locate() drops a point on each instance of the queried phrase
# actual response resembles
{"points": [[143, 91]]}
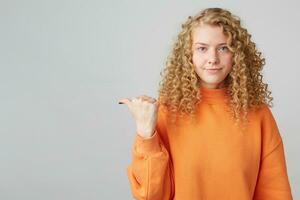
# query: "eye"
{"points": [[224, 48], [200, 48]]}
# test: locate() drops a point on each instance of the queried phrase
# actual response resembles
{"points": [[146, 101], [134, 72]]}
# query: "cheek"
{"points": [[227, 63], [194, 59], [229, 59], [197, 60]]}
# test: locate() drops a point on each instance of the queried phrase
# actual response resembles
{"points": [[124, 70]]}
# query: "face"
{"points": [[211, 56]]}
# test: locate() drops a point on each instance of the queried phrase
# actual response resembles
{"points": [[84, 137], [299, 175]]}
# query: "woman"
{"points": [[211, 134]]}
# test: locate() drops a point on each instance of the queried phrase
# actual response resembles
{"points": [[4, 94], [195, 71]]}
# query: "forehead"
{"points": [[208, 34]]}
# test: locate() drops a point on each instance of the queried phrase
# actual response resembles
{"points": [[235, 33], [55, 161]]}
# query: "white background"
{"points": [[65, 64]]}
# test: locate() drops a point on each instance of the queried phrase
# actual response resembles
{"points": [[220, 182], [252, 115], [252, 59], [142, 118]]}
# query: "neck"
{"points": [[214, 95], [211, 86]]}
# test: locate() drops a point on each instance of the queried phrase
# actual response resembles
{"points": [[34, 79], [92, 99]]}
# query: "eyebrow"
{"points": [[207, 44]]}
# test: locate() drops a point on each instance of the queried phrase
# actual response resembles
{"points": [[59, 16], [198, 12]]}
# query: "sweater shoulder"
{"points": [[262, 111], [270, 132]]}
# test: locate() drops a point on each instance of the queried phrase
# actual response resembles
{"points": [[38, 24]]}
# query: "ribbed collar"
{"points": [[214, 96]]}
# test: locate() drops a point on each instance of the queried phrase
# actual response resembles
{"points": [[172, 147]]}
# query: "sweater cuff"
{"points": [[147, 146]]}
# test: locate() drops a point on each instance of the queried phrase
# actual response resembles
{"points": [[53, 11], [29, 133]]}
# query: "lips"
{"points": [[213, 71]]}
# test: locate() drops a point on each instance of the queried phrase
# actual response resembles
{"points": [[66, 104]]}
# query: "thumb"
{"points": [[124, 101]]}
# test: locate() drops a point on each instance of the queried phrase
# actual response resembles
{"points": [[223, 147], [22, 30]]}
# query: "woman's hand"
{"points": [[144, 110]]}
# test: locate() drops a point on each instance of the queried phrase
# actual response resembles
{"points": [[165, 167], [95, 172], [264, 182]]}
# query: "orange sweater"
{"points": [[211, 159]]}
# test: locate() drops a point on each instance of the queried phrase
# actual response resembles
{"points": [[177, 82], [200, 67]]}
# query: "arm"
{"points": [[272, 182], [150, 173], [273, 179]]}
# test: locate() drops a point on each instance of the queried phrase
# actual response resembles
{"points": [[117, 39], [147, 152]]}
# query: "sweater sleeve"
{"points": [[151, 173], [272, 181]]}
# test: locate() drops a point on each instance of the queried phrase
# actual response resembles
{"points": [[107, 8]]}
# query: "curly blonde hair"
{"points": [[179, 87]]}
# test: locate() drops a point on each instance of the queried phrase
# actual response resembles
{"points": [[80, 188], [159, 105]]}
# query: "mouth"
{"points": [[213, 70]]}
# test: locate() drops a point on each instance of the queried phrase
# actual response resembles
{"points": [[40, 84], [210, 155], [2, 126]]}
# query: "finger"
{"points": [[124, 101], [147, 98], [142, 97]]}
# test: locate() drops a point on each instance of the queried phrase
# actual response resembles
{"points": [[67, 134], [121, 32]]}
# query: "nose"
{"points": [[213, 57]]}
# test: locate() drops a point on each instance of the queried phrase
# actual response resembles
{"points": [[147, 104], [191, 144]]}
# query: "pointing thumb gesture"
{"points": [[144, 110]]}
